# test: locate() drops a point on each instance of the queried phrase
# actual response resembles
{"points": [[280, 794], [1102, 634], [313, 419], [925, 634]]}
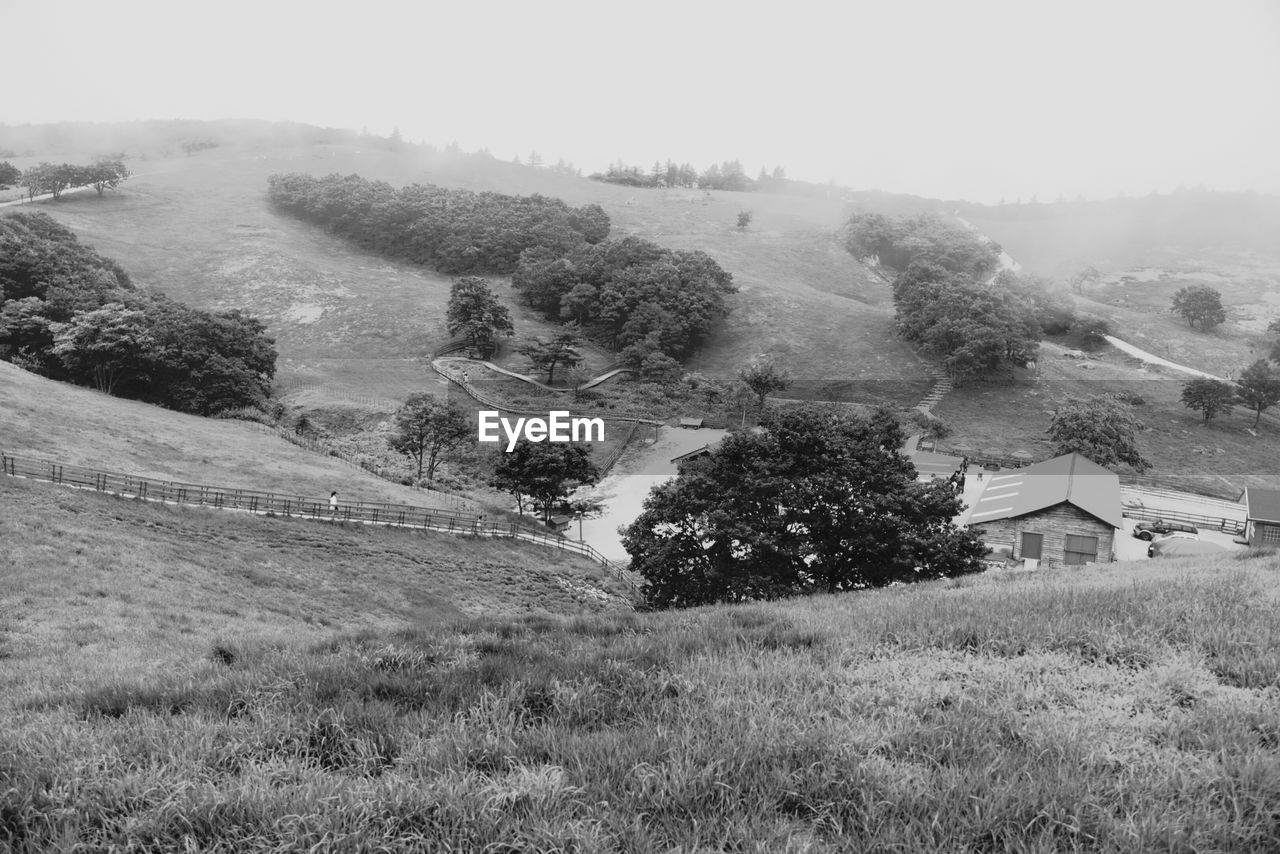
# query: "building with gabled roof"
{"points": [[1262, 516], [1063, 511]]}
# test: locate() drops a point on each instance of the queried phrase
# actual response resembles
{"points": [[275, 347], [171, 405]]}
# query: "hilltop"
{"points": [[1113, 708]]}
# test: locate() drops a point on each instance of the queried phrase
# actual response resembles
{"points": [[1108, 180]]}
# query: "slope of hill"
{"points": [[200, 229], [1109, 709], [98, 584], [44, 419]]}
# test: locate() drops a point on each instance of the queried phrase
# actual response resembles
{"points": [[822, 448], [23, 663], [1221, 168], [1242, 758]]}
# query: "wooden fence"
{"points": [[1217, 523], [274, 504]]}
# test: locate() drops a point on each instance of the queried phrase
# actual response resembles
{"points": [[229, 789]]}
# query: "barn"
{"points": [[1262, 515], [1063, 511]]}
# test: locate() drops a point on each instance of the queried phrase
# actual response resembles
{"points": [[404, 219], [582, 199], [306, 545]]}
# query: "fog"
{"points": [[985, 101]]}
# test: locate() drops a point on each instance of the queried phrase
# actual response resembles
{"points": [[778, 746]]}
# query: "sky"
{"points": [[974, 100]]}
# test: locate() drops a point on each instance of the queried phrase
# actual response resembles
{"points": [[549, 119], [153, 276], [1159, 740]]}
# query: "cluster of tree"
{"points": [[974, 329], [1199, 304], [628, 294], [817, 501], [72, 314], [1258, 389], [57, 178], [10, 175], [728, 175], [898, 242], [542, 474], [454, 231]]}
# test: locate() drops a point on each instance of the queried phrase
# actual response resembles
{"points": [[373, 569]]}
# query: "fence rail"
{"points": [[1219, 523], [275, 504]]}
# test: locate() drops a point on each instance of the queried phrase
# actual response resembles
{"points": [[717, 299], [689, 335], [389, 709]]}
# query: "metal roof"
{"points": [[1262, 505], [1071, 478]]}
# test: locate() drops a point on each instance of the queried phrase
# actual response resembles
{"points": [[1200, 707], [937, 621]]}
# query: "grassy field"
{"points": [[78, 426], [352, 324], [1003, 417], [1120, 708]]}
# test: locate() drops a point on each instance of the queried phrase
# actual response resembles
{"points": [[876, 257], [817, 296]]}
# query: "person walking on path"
{"points": [[333, 503]]}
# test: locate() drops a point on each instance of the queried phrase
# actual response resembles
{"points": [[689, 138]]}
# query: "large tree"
{"points": [[1102, 428], [1209, 397], [562, 350], [818, 501], [474, 312], [543, 472], [1199, 304], [427, 429], [105, 346], [1259, 388], [10, 175], [764, 377], [106, 174]]}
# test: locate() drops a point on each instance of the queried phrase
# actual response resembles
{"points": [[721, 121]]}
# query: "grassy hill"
{"points": [[351, 325], [79, 426], [1118, 708]]}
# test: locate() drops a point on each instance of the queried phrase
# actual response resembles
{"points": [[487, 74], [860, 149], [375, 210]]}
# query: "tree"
{"points": [[1087, 276], [763, 377], [427, 429], [1101, 428], [10, 175], [106, 175], [818, 501], [744, 219], [1209, 397], [562, 350], [1199, 304], [104, 345], [543, 472], [474, 311], [1259, 388]]}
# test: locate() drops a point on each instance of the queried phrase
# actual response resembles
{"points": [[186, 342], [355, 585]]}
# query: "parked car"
{"points": [[1151, 530], [1182, 545]]}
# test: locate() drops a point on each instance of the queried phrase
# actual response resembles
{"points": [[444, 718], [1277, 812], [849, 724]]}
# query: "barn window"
{"points": [[1270, 533], [1032, 545], [1080, 549]]}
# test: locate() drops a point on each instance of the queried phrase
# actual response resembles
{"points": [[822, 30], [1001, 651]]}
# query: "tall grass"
{"points": [[1109, 710]]}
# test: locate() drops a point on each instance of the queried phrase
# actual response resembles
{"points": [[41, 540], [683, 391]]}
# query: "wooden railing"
{"points": [[275, 504]]}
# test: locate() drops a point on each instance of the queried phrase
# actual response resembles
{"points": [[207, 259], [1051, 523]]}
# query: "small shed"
{"points": [[1062, 511], [691, 423], [704, 451], [1262, 516], [559, 524]]}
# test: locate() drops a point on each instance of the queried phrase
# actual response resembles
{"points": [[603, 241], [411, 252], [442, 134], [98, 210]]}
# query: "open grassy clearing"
{"points": [[78, 426], [1005, 417], [1118, 708], [1138, 309]]}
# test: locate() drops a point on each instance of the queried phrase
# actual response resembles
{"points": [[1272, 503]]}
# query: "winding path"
{"points": [[1153, 359]]}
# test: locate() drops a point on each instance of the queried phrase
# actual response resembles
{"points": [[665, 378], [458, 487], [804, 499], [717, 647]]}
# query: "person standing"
{"points": [[333, 503]]}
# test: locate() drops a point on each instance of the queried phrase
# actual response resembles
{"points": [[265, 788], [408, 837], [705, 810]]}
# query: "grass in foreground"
{"points": [[1110, 709]]}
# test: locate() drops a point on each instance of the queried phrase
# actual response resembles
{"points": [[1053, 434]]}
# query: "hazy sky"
{"points": [[976, 100]]}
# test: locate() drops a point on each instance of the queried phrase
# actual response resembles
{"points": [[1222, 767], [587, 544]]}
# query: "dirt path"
{"points": [[1153, 359]]}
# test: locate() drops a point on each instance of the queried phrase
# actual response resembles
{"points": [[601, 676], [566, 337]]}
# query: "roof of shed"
{"points": [[1071, 478], [1263, 505]]}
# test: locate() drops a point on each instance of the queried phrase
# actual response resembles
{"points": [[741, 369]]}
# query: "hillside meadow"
{"points": [[1118, 708], [352, 326], [46, 420]]}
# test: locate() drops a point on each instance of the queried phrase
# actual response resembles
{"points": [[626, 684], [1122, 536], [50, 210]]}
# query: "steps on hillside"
{"points": [[940, 390]]}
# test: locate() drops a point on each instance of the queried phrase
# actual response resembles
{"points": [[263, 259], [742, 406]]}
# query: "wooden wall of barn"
{"points": [[1054, 523]]}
